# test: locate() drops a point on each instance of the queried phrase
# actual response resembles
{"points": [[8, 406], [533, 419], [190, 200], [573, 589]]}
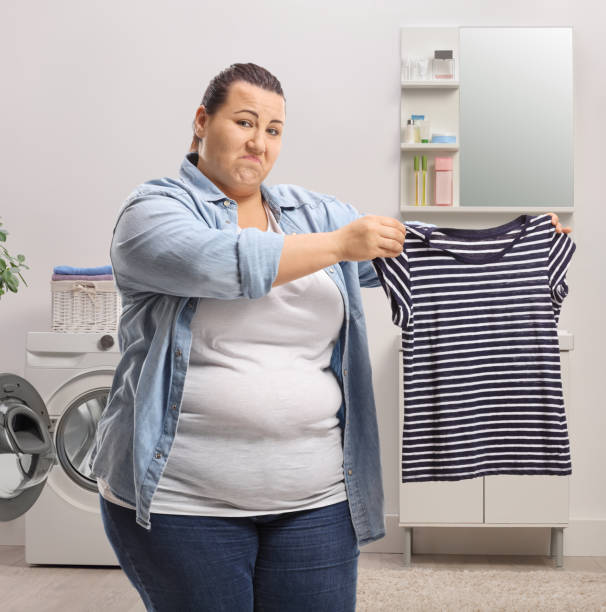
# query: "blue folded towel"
{"points": [[83, 271]]}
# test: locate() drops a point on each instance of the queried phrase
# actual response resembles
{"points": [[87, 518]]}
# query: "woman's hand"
{"points": [[559, 228], [370, 236]]}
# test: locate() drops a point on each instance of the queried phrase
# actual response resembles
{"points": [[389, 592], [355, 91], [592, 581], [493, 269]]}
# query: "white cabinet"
{"points": [[438, 101], [488, 501]]}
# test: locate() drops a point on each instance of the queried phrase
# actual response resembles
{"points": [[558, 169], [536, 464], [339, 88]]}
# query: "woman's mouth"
{"points": [[252, 158]]}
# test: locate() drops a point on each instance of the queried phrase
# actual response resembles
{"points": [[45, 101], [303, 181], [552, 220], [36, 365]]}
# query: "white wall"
{"points": [[99, 97]]}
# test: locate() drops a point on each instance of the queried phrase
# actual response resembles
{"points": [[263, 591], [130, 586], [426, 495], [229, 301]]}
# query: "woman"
{"points": [[241, 421]]}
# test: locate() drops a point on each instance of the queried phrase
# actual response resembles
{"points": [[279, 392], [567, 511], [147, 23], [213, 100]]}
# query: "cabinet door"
{"points": [[526, 499], [459, 501], [530, 499]]}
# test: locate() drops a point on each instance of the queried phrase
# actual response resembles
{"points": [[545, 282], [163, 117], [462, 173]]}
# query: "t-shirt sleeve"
{"points": [[394, 275], [560, 254]]}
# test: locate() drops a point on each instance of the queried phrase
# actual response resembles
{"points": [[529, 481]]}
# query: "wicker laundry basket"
{"points": [[85, 306]]}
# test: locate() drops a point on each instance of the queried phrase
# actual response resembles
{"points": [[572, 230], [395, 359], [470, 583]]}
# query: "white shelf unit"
{"points": [[438, 100], [489, 501], [531, 210], [429, 146], [431, 84]]}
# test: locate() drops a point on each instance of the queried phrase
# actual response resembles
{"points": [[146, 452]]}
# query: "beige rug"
{"points": [[425, 589]]}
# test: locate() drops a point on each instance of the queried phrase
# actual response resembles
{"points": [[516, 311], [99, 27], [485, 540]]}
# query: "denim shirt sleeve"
{"points": [[161, 245]]}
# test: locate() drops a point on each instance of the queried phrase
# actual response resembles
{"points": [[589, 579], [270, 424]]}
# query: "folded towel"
{"points": [[82, 271], [96, 277]]}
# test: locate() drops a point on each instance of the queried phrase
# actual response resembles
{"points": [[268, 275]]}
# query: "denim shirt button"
{"points": [[178, 352], [349, 472], [345, 372], [331, 270], [174, 406], [158, 455]]}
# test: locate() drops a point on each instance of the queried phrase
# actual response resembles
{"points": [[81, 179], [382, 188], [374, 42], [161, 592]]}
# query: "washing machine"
{"points": [[48, 420]]}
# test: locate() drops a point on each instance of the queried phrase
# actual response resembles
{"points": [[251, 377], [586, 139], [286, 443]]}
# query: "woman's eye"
{"points": [[240, 121]]}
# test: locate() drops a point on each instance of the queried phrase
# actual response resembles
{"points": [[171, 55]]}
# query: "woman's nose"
{"points": [[257, 142]]}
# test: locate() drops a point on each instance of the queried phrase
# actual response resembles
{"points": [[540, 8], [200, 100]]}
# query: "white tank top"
{"points": [[257, 430]]}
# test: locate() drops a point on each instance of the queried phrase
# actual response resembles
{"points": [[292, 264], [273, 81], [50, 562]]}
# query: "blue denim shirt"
{"points": [[175, 242]]}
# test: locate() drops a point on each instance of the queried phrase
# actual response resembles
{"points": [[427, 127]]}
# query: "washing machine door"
{"points": [[81, 402], [27, 452]]}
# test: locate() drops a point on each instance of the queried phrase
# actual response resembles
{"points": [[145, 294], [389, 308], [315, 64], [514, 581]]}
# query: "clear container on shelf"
{"points": [[423, 68], [425, 131], [416, 122], [443, 64], [407, 68]]}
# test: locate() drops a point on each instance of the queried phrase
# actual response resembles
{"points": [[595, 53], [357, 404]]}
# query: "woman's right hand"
{"points": [[370, 236]]}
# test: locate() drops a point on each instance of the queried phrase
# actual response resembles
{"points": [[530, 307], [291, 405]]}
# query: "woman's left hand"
{"points": [[559, 228]]}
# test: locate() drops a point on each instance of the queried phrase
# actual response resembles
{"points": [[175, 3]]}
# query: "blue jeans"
{"points": [[305, 561]]}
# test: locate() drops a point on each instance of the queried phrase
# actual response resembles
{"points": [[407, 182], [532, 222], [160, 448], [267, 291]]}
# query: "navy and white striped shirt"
{"points": [[482, 383]]}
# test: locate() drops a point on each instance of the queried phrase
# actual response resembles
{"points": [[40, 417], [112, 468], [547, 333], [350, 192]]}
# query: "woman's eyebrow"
{"points": [[257, 115]]}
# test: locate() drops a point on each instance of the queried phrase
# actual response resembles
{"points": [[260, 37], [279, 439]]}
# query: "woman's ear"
{"points": [[200, 122]]}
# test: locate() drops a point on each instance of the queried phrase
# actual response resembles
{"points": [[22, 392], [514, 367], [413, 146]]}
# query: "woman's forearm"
{"points": [[303, 254]]}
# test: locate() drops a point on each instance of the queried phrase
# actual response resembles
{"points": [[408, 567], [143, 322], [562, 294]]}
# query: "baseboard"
{"points": [[582, 538]]}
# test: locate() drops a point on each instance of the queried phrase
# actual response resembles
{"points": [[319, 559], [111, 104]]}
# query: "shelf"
{"points": [[446, 84], [432, 208], [493, 525], [429, 146]]}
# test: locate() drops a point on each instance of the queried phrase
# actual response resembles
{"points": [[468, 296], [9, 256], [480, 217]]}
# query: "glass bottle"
{"points": [[443, 64]]}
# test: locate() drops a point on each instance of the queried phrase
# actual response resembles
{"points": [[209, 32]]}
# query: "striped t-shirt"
{"points": [[482, 383]]}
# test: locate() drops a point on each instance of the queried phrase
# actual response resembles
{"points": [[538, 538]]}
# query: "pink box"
{"points": [[443, 169]]}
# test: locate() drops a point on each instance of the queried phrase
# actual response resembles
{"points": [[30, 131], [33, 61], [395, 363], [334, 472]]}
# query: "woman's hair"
{"points": [[218, 89]]}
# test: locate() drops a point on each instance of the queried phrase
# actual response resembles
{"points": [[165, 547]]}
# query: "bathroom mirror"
{"points": [[516, 116]]}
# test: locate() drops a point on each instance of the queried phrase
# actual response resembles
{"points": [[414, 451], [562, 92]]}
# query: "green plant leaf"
{"points": [[12, 282], [9, 266]]}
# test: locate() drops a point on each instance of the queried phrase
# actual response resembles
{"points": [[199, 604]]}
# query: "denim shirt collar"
{"points": [[191, 174]]}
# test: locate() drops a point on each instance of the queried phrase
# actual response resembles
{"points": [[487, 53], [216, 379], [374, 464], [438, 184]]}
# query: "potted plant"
{"points": [[9, 266]]}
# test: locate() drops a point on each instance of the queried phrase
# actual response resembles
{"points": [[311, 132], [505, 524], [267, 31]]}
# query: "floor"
{"points": [[27, 588]]}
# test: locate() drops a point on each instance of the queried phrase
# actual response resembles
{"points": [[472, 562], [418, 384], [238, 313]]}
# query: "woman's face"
{"points": [[249, 123]]}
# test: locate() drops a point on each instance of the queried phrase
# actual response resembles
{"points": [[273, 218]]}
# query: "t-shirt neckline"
{"points": [[522, 222]]}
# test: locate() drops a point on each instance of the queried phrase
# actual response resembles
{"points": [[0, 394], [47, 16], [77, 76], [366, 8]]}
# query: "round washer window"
{"points": [[75, 436]]}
